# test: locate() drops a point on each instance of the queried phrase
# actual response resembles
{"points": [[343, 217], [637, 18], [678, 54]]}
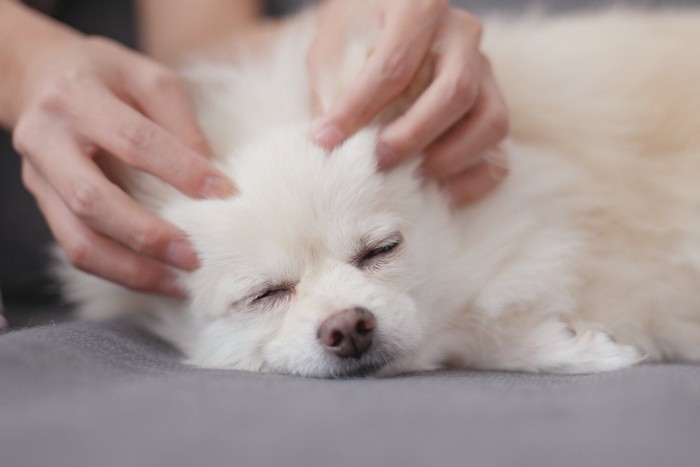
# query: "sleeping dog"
{"points": [[586, 259]]}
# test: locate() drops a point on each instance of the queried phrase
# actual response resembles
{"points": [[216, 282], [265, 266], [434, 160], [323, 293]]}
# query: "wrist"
{"points": [[168, 31], [27, 37]]}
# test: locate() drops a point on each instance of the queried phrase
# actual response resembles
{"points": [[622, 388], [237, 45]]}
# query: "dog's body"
{"points": [[595, 233]]}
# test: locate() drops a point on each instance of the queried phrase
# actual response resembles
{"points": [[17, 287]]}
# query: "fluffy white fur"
{"points": [[586, 259]]}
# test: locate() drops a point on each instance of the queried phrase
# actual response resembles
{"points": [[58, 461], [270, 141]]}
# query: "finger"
{"points": [[162, 96], [103, 206], [95, 254], [448, 98], [124, 132], [476, 181], [403, 44], [321, 61], [317, 107], [463, 145]]}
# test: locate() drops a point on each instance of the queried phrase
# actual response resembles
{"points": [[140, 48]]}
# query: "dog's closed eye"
{"points": [[266, 295], [274, 293], [370, 255]]}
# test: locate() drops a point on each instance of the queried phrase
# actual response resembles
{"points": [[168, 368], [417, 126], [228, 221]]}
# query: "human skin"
{"points": [[73, 101], [70, 98], [457, 121]]}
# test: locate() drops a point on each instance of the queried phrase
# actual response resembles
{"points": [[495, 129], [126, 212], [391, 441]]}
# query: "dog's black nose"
{"points": [[348, 333]]}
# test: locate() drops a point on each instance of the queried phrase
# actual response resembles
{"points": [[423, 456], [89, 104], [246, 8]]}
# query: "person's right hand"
{"points": [[80, 96], [459, 118]]}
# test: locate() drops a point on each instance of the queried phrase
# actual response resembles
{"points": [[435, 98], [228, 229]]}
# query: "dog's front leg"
{"points": [[556, 345]]}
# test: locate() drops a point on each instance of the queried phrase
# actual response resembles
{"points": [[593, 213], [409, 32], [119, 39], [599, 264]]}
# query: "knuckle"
{"points": [[486, 65], [56, 95], [462, 90], [83, 199], [499, 123], [476, 25], [395, 70], [197, 140], [194, 176], [78, 251], [470, 23], [100, 47], [164, 80], [134, 281], [313, 56], [185, 171], [98, 42], [142, 277], [22, 138], [136, 139], [433, 5], [142, 239], [28, 177], [411, 139]]}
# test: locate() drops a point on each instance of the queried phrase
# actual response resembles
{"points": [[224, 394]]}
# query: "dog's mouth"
{"points": [[359, 370], [368, 365]]}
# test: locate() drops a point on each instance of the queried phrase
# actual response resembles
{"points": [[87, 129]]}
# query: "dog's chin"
{"points": [[358, 369], [370, 364]]}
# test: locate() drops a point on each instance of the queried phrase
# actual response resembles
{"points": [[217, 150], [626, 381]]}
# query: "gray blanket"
{"points": [[81, 394]]}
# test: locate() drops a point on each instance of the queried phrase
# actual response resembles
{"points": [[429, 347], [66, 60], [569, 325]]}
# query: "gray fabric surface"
{"points": [[79, 394]]}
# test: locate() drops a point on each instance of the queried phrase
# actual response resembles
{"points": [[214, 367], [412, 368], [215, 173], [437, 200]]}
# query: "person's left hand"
{"points": [[457, 122]]}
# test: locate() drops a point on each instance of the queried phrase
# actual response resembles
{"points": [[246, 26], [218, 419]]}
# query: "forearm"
{"points": [[24, 35], [167, 30]]}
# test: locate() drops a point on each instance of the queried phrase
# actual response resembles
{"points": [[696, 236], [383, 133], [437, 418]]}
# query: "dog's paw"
{"points": [[594, 350], [585, 348], [556, 347]]}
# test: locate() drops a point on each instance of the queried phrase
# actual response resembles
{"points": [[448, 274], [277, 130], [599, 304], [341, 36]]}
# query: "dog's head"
{"points": [[309, 270]]}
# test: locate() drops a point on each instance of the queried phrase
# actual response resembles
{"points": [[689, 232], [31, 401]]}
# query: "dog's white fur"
{"points": [[595, 233]]}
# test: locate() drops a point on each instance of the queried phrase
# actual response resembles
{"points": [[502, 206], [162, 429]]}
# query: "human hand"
{"points": [[81, 96], [457, 121]]}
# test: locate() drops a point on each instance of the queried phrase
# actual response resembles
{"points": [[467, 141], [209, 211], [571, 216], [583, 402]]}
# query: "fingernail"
{"points": [[499, 165], [217, 186], [327, 134], [170, 286], [181, 255], [3, 324], [386, 157]]}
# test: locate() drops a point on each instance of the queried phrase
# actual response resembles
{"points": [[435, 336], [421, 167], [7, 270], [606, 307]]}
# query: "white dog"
{"points": [[586, 259]]}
